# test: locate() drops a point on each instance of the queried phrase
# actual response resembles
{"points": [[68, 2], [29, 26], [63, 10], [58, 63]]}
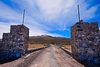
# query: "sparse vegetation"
{"points": [[66, 46], [47, 40], [37, 45]]}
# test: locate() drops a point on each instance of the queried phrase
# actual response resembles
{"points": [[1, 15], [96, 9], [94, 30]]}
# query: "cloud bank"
{"points": [[43, 16]]}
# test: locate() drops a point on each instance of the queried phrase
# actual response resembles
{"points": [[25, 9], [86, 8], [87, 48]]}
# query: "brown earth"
{"points": [[52, 56], [55, 57]]}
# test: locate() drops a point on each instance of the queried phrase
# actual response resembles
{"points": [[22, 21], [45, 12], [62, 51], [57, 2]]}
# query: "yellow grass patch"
{"points": [[67, 47], [36, 45]]}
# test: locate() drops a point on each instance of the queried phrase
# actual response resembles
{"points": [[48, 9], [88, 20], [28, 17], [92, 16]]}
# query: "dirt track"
{"points": [[54, 57]]}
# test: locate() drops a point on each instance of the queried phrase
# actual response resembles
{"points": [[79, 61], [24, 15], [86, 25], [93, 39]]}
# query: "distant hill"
{"points": [[42, 36], [46, 40]]}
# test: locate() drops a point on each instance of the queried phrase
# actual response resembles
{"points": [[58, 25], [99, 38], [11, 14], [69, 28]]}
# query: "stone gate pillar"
{"points": [[85, 41]]}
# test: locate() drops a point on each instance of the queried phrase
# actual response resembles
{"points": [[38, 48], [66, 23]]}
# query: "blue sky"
{"points": [[51, 17]]}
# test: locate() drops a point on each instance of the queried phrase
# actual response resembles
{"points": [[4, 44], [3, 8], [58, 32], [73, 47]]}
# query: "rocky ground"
{"points": [[52, 56]]}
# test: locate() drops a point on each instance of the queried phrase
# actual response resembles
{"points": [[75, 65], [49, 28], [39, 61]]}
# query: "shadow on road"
{"points": [[8, 60], [33, 50], [66, 51], [83, 63], [15, 58]]}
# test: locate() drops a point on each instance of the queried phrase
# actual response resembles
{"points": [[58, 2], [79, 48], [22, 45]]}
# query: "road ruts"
{"points": [[54, 57]]}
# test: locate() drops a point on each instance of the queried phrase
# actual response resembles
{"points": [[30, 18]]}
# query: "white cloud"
{"points": [[43, 16], [34, 31], [5, 28], [88, 13], [55, 12], [6, 13], [50, 8]]}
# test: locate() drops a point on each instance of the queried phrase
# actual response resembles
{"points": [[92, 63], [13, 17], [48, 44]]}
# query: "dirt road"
{"points": [[54, 57]]}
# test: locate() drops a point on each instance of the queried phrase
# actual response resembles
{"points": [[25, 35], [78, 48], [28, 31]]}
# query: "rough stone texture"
{"points": [[15, 43], [85, 42]]}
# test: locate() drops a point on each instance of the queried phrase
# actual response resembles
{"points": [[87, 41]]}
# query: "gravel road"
{"points": [[54, 57]]}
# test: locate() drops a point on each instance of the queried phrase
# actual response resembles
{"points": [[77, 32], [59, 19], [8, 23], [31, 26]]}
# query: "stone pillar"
{"points": [[15, 43], [85, 41]]}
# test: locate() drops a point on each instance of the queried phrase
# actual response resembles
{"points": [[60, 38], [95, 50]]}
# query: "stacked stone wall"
{"points": [[85, 42], [15, 43]]}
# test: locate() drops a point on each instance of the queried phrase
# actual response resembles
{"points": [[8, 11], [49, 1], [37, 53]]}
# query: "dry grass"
{"points": [[36, 45], [67, 47]]}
